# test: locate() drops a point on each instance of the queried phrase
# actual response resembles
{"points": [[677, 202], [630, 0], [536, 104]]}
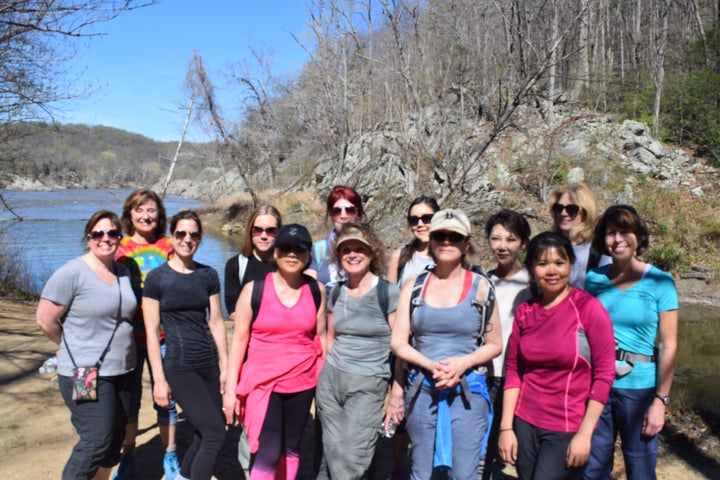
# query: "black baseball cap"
{"points": [[294, 234]]}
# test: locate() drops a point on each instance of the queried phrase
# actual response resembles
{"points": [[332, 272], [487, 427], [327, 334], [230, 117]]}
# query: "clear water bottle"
{"points": [[49, 366], [387, 432]]}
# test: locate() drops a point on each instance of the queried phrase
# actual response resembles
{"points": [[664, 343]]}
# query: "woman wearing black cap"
{"points": [[280, 324]]}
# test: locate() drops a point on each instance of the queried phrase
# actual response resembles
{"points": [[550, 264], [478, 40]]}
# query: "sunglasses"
{"points": [[181, 234], [413, 220], [286, 248], [571, 209], [270, 231], [351, 210], [99, 234], [453, 237]]}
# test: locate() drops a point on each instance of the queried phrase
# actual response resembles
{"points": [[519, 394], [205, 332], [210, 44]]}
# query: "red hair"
{"points": [[347, 193]]}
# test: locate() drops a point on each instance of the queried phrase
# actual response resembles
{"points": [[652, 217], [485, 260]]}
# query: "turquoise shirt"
{"points": [[635, 314]]}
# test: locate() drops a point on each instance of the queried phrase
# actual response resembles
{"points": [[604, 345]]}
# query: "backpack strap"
{"points": [[320, 252], [383, 294], [259, 285], [242, 266], [484, 307]]}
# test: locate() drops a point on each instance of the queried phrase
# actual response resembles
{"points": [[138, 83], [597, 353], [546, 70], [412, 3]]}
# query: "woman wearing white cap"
{"points": [[446, 399], [354, 382]]}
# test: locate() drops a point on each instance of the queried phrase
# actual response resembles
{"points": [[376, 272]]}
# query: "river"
{"points": [[51, 234]]}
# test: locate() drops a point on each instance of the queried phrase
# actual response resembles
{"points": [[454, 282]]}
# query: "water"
{"points": [[52, 230]]}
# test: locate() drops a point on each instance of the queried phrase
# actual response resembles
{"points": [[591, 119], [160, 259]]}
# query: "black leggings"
{"points": [[198, 393], [282, 430]]}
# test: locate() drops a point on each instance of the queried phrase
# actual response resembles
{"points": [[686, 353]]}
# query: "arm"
{"points": [[242, 322], [217, 330], [667, 348], [507, 442], [578, 450], [151, 317], [47, 317], [322, 322], [330, 334], [454, 368], [395, 410], [400, 339], [392, 270]]}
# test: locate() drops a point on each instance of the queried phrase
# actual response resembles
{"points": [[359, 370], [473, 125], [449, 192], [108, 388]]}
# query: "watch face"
{"points": [[665, 400]]}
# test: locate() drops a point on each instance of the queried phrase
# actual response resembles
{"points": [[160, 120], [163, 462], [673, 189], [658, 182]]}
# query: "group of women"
{"points": [[540, 363]]}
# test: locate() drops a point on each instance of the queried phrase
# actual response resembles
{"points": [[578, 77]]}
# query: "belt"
{"points": [[631, 357]]}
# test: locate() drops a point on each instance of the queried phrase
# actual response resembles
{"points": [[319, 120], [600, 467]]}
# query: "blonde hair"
{"points": [[581, 195]]}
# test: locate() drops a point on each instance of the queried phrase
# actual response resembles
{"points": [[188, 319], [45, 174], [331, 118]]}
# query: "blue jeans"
{"points": [[623, 415], [165, 416], [468, 422], [99, 424]]}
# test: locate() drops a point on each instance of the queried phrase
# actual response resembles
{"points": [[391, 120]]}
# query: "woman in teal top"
{"points": [[643, 304]]}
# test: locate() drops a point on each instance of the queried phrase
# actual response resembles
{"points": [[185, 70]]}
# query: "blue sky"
{"points": [[137, 69]]}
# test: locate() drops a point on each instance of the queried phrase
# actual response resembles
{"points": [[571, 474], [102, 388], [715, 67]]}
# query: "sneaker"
{"points": [[126, 467], [171, 465]]}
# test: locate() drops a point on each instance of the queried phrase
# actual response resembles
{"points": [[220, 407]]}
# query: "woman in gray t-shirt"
{"points": [[86, 309], [354, 381]]}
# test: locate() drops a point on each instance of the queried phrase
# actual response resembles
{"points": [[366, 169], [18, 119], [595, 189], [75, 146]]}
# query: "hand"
{"points": [[449, 372], [161, 393], [230, 406], [395, 411], [578, 451], [508, 446], [654, 419]]}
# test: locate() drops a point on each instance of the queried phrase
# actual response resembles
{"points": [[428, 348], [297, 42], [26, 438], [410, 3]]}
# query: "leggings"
{"points": [[198, 393], [281, 434]]}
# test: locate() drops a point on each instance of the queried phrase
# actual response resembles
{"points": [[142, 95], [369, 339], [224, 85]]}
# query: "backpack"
{"points": [[259, 285], [242, 266], [484, 307], [382, 294]]}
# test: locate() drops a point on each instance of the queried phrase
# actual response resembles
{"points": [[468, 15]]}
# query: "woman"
{"points": [[93, 334], [184, 296], [413, 258], [272, 393], [255, 259], [643, 305], [354, 381], [574, 210], [144, 248], [508, 234], [559, 369], [447, 401], [343, 205]]}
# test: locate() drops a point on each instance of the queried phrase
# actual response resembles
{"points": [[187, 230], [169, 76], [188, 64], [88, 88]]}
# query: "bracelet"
{"points": [[505, 429]]}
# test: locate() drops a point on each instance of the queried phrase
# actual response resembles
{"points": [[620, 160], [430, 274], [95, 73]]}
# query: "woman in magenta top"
{"points": [[272, 389], [560, 367]]}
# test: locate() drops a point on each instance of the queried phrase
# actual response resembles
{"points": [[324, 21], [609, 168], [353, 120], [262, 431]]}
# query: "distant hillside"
{"points": [[84, 156]]}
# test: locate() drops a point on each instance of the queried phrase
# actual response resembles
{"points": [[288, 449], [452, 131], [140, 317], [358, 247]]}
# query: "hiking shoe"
{"points": [[171, 465], [126, 467]]}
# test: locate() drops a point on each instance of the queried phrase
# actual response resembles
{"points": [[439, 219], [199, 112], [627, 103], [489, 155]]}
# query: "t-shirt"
{"points": [[635, 314], [414, 267], [510, 292], [184, 300], [91, 318], [362, 334], [545, 360], [582, 259], [254, 269], [139, 259]]}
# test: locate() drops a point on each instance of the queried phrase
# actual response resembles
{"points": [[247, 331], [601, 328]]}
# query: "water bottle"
{"points": [[49, 366], [387, 432]]}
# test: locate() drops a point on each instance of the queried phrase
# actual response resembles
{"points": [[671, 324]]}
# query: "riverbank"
{"points": [[36, 436]]}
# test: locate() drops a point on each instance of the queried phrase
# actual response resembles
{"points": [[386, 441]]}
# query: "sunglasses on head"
{"points": [[257, 231], [99, 234], [571, 209], [181, 234], [350, 210], [413, 220], [453, 237]]}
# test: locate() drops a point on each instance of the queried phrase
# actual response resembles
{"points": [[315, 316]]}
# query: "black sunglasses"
{"points": [[571, 209], [257, 231], [454, 237], [181, 234], [99, 234], [413, 220]]}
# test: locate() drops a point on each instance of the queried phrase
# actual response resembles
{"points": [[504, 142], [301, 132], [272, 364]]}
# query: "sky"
{"points": [[138, 67]]}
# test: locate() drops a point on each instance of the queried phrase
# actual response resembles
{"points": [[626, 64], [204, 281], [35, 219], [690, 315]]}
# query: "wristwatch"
{"points": [[664, 399]]}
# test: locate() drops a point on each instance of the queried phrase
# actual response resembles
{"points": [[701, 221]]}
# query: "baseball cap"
{"points": [[294, 234], [451, 220]]}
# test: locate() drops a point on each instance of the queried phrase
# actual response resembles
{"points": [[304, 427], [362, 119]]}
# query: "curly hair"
{"points": [[377, 248]]}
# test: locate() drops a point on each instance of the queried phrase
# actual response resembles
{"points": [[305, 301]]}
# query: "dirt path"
{"points": [[36, 436]]}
